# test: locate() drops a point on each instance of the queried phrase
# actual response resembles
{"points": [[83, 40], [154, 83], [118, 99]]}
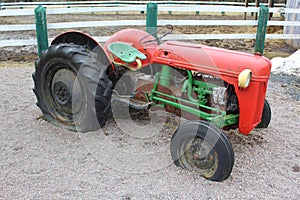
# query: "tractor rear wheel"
{"points": [[72, 88], [201, 147]]}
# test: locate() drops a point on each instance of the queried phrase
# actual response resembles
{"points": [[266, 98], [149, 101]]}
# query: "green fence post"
{"points": [[151, 17], [169, 3], [197, 12], [261, 29], [41, 29]]}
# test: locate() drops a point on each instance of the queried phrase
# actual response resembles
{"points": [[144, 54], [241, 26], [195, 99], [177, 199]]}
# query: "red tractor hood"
{"points": [[211, 60]]}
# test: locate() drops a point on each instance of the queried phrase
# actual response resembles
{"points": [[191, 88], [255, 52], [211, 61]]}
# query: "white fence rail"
{"points": [[19, 5], [138, 8], [67, 25]]}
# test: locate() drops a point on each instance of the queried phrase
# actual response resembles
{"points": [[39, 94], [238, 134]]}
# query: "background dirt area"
{"points": [[41, 161], [272, 47]]}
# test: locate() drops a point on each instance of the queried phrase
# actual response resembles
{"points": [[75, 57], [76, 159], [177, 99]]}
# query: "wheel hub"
{"points": [[62, 86], [202, 156], [199, 155], [61, 93]]}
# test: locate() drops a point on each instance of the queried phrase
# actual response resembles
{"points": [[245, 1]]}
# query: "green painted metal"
{"points": [[261, 29], [157, 75], [190, 87], [151, 17], [220, 120], [202, 88], [185, 108], [165, 77], [226, 120], [192, 105], [156, 93], [41, 29]]}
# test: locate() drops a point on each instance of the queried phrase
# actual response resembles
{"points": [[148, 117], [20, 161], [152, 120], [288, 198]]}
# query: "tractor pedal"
{"points": [[133, 103]]}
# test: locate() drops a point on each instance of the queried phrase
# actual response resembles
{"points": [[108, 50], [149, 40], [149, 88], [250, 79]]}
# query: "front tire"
{"points": [[201, 147], [266, 116], [72, 88]]}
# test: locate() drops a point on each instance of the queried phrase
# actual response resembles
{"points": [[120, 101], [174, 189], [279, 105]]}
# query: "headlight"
{"points": [[244, 78]]}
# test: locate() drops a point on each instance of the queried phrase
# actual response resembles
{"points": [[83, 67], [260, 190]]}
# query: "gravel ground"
{"points": [[41, 161]]}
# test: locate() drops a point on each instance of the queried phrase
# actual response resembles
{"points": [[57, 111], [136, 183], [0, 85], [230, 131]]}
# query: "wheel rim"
{"points": [[63, 103], [198, 155]]}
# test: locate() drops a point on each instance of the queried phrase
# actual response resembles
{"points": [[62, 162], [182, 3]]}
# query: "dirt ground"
{"points": [[42, 161]]}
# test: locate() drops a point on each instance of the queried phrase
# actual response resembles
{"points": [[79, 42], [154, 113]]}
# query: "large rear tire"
{"points": [[201, 147], [72, 88]]}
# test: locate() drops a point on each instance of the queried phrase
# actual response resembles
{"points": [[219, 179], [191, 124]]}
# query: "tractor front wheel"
{"points": [[266, 116], [72, 88], [201, 147]]}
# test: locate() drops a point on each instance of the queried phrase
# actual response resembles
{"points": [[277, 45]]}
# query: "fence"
{"points": [[22, 5], [165, 6]]}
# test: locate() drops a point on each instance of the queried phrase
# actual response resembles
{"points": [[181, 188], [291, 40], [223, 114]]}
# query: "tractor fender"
{"points": [[83, 39]]}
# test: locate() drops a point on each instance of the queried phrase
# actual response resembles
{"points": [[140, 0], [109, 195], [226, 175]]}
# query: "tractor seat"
{"points": [[125, 52]]}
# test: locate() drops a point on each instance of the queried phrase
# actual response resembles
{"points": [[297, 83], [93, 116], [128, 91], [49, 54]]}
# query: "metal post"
{"points": [[41, 29], [261, 29], [165, 76]]}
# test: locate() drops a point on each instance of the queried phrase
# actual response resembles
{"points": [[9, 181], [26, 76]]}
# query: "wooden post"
{"points": [[271, 5], [246, 5], [290, 17], [256, 5]]}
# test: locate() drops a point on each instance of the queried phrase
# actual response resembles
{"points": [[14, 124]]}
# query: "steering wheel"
{"points": [[154, 34]]}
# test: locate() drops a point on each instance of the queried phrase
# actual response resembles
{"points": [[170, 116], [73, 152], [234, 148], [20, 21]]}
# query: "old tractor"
{"points": [[77, 80]]}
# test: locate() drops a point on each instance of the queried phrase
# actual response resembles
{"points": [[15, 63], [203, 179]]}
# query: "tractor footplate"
{"points": [[133, 103]]}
